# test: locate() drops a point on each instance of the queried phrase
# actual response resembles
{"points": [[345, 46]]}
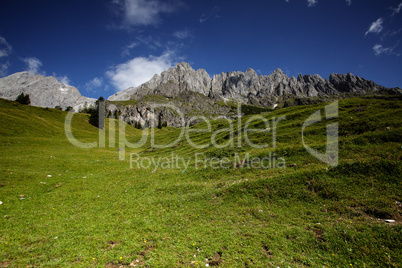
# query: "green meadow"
{"points": [[113, 206]]}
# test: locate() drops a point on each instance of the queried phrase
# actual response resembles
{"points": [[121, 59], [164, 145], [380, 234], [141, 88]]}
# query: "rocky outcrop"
{"points": [[174, 81], [248, 87], [123, 95], [152, 110], [43, 91], [354, 84]]}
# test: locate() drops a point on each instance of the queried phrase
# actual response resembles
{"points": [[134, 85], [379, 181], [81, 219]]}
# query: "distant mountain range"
{"points": [[248, 87], [194, 91]]}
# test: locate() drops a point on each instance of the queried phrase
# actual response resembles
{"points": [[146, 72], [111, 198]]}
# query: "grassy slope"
{"points": [[96, 211]]}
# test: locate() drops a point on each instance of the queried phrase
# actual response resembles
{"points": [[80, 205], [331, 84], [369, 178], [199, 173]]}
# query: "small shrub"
{"points": [[23, 99], [69, 109]]}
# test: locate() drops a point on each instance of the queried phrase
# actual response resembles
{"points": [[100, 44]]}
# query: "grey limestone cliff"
{"points": [[43, 91], [174, 81], [248, 87]]}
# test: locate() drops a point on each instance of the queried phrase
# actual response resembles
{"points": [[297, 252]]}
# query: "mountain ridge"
{"points": [[248, 87]]}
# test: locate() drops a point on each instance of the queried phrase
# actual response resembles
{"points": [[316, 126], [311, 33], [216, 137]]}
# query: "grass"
{"points": [[71, 207]]}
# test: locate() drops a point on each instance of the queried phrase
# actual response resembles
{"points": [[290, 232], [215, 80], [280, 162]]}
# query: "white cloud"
{"points": [[183, 34], [126, 50], [63, 79], [349, 2], [94, 84], [33, 64], [5, 48], [397, 9], [5, 51], [4, 68], [214, 13], [312, 3], [376, 27], [150, 42], [144, 12], [139, 70], [379, 49]]}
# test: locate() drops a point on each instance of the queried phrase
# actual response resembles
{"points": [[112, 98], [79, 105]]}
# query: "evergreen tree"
{"points": [[137, 125], [117, 114], [69, 109], [23, 99], [97, 117]]}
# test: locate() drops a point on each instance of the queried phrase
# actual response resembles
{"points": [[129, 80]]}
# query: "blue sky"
{"points": [[104, 46]]}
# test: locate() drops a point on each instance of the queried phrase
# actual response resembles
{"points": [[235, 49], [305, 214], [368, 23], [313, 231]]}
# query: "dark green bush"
{"points": [[23, 99]]}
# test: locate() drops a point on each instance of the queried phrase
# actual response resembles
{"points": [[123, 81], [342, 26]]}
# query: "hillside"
{"points": [[63, 205]]}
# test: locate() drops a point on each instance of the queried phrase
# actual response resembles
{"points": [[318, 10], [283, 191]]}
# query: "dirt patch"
{"points": [[57, 185], [216, 259], [318, 234], [112, 245], [112, 265], [5, 263], [148, 249], [266, 251], [136, 263]]}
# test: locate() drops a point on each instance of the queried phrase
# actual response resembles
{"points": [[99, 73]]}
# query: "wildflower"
{"points": [[121, 258], [49, 176], [1, 202]]}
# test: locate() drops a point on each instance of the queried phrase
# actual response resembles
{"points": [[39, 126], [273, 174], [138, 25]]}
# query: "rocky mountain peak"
{"points": [[184, 66], [278, 71], [248, 87], [44, 91]]}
